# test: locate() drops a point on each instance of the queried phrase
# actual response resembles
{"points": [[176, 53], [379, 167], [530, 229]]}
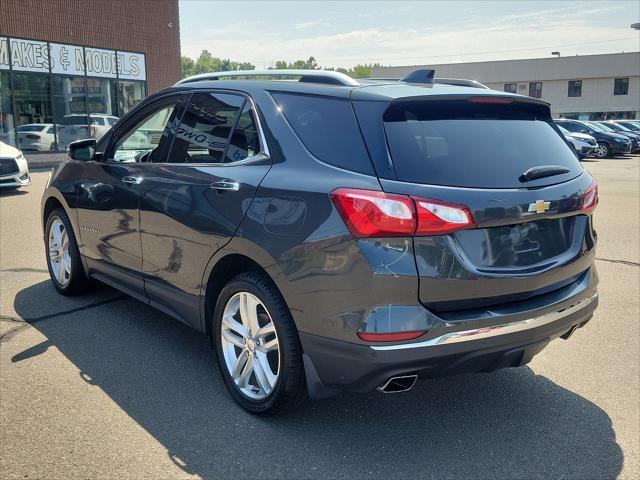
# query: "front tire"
{"points": [[603, 150], [63, 255], [257, 346]]}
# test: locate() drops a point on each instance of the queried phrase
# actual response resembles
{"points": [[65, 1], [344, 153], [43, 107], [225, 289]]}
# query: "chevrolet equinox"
{"points": [[334, 234]]}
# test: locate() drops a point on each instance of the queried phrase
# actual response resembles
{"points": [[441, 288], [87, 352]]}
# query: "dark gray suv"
{"points": [[330, 234]]}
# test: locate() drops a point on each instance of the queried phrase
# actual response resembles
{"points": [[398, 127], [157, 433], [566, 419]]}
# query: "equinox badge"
{"points": [[540, 206]]}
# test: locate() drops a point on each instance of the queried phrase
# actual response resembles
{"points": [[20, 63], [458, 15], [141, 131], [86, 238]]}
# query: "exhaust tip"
{"points": [[398, 384]]}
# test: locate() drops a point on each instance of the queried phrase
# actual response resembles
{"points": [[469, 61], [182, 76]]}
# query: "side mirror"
{"points": [[584, 131], [82, 149]]}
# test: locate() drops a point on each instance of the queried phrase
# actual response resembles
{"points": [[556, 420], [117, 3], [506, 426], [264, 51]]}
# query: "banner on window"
{"points": [[37, 56]]}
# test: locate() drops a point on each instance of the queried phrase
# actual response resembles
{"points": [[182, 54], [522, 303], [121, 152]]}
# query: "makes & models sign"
{"points": [[37, 56]]}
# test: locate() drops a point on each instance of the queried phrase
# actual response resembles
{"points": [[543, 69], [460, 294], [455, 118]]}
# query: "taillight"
{"points": [[375, 214], [369, 213], [437, 218], [92, 130], [390, 337], [590, 198]]}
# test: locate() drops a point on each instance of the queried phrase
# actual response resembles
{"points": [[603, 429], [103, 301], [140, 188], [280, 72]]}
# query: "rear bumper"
{"points": [[333, 365]]}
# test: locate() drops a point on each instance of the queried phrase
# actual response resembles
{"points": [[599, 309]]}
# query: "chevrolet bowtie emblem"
{"points": [[540, 206]]}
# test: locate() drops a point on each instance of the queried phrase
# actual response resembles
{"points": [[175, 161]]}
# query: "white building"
{"points": [[586, 87]]}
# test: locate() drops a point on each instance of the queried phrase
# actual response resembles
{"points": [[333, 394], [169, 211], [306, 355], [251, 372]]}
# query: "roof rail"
{"points": [[311, 76], [461, 82]]}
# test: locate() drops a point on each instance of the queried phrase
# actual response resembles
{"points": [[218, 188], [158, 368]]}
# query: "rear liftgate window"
{"points": [[464, 144]]}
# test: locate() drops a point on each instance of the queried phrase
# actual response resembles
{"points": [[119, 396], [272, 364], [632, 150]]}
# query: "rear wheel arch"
{"points": [[224, 270]]}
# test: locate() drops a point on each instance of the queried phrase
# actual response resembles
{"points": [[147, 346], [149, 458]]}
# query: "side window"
{"points": [[244, 141], [150, 139], [328, 128], [206, 129], [572, 127], [98, 121]]}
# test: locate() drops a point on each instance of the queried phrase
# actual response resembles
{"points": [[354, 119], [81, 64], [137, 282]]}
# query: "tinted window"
{"points": [[75, 120], [575, 88], [460, 144], [328, 128], [244, 142], [573, 127], [206, 126], [535, 89], [97, 120], [150, 139], [621, 86], [30, 128]]}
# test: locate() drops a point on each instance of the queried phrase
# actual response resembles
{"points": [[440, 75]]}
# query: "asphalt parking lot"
{"points": [[102, 386]]}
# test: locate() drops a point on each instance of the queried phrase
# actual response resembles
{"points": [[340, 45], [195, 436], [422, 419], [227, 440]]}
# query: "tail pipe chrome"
{"points": [[398, 384]]}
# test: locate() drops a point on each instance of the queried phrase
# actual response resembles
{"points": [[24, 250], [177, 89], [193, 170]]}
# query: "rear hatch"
{"points": [[502, 160]]}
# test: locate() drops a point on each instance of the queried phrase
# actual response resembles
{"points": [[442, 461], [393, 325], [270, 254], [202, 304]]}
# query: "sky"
{"points": [[345, 33]]}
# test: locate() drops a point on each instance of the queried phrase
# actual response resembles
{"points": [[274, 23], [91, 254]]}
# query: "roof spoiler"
{"points": [[427, 76]]}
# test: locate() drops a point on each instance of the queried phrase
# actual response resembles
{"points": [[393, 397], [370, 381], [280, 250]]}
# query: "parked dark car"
{"points": [[330, 234], [633, 125], [622, 130], [609, 143]]}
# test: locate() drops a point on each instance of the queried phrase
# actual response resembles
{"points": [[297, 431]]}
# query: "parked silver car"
{"points": [[583, 144]]}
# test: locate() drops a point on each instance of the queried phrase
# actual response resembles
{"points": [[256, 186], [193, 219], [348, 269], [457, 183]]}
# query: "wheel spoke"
{"points": [[57, 234], [60, 270], [249, 313], [64, 241], [269, 346], [228, 322], [231, 337], [264, 331], [248, 369], [264, 376], [241, 361]]}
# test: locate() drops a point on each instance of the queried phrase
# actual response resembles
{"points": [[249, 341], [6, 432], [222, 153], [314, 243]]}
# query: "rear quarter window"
{"points": [[328, 129]]}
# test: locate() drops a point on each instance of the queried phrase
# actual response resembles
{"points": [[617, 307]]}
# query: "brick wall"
{"points": [[139, 26]]}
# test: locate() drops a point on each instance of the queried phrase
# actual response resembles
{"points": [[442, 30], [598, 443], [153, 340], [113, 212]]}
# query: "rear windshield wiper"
{"points": [[542, 171]]}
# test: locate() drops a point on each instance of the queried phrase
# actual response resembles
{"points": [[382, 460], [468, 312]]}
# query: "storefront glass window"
{"points": [[82, 107], [129, 94], [32, 100], [6, 111]]}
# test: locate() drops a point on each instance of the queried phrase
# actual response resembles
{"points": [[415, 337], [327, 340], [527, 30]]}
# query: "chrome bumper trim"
{"points": [[493, 331]]}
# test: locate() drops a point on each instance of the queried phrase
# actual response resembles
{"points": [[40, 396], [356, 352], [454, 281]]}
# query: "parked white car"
{"points": [[79, 127], [36, 136], [583, 144], [14, 171]]}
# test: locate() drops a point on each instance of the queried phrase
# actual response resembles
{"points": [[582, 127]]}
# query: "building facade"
{"points": [[586, 87], [70, 68]]}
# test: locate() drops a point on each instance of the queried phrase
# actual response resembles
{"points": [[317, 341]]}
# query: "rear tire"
{"points": [[257, 346], [63, 255], [603, 150]]}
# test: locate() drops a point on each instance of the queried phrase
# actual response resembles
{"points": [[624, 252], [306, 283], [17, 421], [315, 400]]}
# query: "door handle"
{"points": [[226, 185], [132, 180]]}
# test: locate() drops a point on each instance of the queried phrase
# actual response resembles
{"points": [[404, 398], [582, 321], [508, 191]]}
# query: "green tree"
{"points": [[207, 63]]}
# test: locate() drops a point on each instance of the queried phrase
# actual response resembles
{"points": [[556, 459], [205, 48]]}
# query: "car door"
{"points": [[109, 197], [193, 203]]}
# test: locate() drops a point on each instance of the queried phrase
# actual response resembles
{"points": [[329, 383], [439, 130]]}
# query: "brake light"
{"points": [[390, 337], [369, 213], [375, 214], [501, 100], [590, 199], [92, 130]]}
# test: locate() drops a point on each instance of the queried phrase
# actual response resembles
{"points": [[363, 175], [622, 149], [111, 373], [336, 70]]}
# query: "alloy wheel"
{"points": [[250, 346], [59, 258], [601, 150]]}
